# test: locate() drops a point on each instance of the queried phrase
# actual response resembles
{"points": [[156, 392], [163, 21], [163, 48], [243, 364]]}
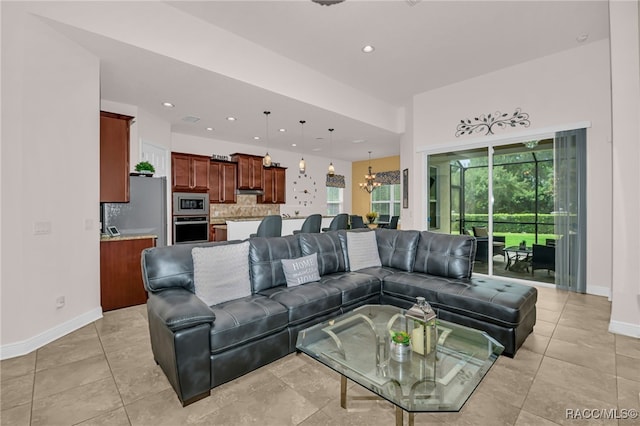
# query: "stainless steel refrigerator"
{"points": [[145, 213]]}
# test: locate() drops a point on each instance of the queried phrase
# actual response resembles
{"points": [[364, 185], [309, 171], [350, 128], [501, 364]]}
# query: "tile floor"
{"points": [[104, 374]]}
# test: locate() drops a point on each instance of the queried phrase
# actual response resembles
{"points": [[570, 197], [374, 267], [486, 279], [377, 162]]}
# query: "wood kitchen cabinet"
{"points": [[275, 186], [250, 174], [222, 182], [189, 172], [114, 157], [120, 273], [218, 233]]}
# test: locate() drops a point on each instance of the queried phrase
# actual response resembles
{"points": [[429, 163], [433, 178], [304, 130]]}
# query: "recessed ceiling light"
{"points": [[359, 141], [316, 149], [231, 119], [368, 49], [582, 38], [283, 130], [168, 104], [210, 129], [256, 138], [293, 144]]}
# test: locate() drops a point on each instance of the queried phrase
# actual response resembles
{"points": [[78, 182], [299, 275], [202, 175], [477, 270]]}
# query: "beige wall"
{"points": [[361, 199], [50, 176], [625, 69]]}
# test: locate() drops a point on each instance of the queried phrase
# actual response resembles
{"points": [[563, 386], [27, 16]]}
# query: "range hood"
{"points": [[250, 191]]}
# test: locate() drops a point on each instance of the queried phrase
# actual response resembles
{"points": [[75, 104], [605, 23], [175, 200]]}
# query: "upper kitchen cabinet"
{"points": [[275, 186], [222, 182], [114, 157], [190, 173], [250, 174]]}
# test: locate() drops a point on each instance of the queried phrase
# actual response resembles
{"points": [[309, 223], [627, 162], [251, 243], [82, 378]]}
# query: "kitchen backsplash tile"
{"points": [[246, 206]]}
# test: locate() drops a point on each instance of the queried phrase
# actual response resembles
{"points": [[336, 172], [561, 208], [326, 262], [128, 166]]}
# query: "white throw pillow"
{"points": [[301, 270], [362, 249], [221, 273]]}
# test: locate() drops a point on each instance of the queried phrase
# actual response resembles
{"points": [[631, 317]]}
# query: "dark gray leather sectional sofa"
{"points": [[200, 347]]}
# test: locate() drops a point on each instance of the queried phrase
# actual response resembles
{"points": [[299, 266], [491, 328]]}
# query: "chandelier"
{"points": [[370, 178]]}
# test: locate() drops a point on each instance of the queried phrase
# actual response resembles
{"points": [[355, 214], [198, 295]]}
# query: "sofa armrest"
{"points": [[178, 308]]}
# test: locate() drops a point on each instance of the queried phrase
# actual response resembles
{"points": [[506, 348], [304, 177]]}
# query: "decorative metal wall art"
{"points": [[486, 123]]}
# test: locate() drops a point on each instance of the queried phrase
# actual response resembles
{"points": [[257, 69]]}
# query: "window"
{"points": [[334, 200], [386, 200]]}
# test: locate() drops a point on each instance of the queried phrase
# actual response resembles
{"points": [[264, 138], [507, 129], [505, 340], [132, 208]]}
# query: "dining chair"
{"points": [[357, 222], [310, 225]]}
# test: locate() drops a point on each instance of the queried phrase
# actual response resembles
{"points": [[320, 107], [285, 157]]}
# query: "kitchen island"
{"points": [[240, 228]]}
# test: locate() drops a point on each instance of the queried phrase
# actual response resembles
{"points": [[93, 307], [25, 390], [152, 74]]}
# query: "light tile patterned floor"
{"points": [[104, 374]]}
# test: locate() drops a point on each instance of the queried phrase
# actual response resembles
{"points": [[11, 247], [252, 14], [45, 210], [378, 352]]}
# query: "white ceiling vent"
{"points": [[190, 119]]}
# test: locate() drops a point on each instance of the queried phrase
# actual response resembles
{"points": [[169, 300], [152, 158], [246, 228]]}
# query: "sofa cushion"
{"points": [[488, 300], [328, 248], [242, 320], [362, 250], [211, 284], [306, 301], [445, 255], [265, 254], [353, 286], [301, 270], [397, 249]]}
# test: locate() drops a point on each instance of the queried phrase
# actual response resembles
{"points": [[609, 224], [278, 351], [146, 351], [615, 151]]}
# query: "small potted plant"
{"points": [[145, 168], [371, 216], [400, 346]]}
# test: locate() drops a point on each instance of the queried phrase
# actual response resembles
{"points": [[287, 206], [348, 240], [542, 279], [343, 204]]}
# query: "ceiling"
{"points": [[417, 48]]}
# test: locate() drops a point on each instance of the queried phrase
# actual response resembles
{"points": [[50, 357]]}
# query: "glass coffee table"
{"points": [[357, 345]]}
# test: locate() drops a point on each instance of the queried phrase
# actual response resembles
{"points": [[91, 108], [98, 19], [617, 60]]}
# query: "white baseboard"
{"points": [[26, 346], [625, 328], [599, 291]]}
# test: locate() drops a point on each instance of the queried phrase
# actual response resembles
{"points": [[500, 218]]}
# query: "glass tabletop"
{"points": [[359, 346]]}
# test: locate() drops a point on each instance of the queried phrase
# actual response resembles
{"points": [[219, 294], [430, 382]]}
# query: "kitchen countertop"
{"points": [[257, 218], [104, 237]]}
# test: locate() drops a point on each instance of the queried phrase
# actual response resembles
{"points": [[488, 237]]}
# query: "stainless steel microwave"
{"points": [[188, 203]]}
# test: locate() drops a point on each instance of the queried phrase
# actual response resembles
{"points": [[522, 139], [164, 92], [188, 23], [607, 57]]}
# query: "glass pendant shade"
{"points": [[302, 165], [332, 170], [266, 161]]}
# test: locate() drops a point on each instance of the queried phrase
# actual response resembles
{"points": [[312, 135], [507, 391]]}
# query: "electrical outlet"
{"points": [[60, 302]]}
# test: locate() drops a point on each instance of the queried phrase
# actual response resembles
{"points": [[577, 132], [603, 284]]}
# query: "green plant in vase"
{"points": [[371, 216], [145, 167], [401, 337]]}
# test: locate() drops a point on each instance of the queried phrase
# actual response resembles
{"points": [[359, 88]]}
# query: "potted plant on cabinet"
{"points": [[145, 168]]}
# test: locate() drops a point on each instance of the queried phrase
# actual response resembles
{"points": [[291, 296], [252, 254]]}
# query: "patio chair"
{"points": [[482, 238], [341, 221], [311, 224], [543, 257]]}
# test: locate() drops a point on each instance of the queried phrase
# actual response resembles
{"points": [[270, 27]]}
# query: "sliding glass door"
{"points": [[521, 201]]}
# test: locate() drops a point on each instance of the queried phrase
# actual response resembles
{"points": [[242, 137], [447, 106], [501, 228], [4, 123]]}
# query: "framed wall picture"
{"points": [[405, 189]]}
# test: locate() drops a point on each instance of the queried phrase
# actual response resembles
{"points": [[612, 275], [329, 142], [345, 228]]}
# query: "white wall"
{"points": [[316, 168], [568, 87], [50, 176]]}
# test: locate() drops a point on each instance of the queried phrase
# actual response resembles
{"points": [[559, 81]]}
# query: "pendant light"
{"points": [[302, 165], [266, 161], [332, 170]]}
